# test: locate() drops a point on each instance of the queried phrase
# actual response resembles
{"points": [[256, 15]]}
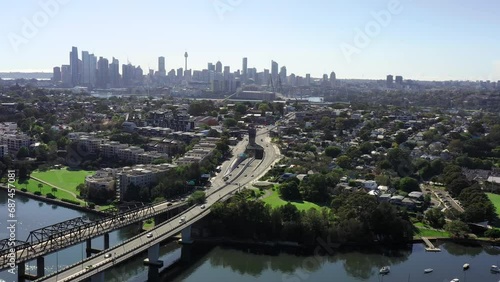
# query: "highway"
{"points": [[239, 177]]}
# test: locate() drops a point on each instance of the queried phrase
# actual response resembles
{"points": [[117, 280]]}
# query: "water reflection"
{"points": [[463, 249]]}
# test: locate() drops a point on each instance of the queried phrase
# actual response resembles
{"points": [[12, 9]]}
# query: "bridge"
{"points": [[95, 266], [52, 238]]}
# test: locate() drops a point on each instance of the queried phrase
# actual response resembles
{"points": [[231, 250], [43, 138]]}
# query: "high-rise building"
{"points": [[102, 73], [308, 79], [128, 74], [389, 80], [274, 70], [185, 60], [283, 75], [227, 72], [179, 72], [161, 66], [66, 75], [210, 67], [399, 79], [93, 70], [245, 70], [265, 79], [333, 78], [56, 74], [85, 68], [218, 67], [73, 62], [114, 73]]}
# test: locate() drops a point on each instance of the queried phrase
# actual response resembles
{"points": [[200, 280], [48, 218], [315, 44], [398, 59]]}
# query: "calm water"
{"points": [[225, 264]]}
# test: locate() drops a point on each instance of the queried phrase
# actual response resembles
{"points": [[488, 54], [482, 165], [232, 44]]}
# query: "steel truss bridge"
{"points": [[70, 232]]}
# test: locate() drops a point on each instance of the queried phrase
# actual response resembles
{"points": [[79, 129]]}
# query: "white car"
{"points": [[149, 235], [202, 206]]}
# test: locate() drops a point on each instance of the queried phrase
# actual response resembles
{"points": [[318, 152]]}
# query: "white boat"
{"points": [[385, 270], [495, 269], [428, 270], [455, 280], [466, 266]]}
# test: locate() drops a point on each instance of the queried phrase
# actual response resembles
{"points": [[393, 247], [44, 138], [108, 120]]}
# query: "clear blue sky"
{"points": [[424, 39]]}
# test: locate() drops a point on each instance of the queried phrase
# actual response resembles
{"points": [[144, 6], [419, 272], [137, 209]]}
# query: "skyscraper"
{"points": [[66, 75], [102, 73], [283, 75], [274, 70], [85, 68], [211, 67], [73, 62], [93, 70], [389, 80], [227, 71], [114, 73], [399, 79], [333, 78], [218, 67], [245, 67], [56, 76], [161, 66]]}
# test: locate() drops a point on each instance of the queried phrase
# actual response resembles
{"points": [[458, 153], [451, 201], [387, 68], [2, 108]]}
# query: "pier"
{"points": [[429, 246]]}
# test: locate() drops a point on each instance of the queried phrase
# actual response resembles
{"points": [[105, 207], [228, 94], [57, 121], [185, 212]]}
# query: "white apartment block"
{"points": [[15, 141], [140, 175]]}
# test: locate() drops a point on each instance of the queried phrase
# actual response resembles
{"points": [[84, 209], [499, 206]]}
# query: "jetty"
{"points": [[429, 246]]}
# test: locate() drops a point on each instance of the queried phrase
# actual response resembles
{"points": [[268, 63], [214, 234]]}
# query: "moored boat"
{"points": [[428, 270], [385, 270], [495, 269], [466, 266]]}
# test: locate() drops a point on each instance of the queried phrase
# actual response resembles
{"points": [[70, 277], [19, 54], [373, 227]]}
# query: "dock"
{"points": [[429, 246]]}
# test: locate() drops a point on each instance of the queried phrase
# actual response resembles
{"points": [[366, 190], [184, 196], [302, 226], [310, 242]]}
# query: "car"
{"points": [[169, 204], [89, 266], [149, 235], [252, 175], [245, 175], [202, 206], [108, 255]]}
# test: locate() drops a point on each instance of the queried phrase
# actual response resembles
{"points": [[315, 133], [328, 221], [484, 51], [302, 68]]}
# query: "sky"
{"points": [[364, 39]]}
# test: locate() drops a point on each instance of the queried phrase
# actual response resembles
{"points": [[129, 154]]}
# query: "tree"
{"points": [[332, 151], [54, 189], [344, 162], [435, 218], [289, 191], [198, 197], [492, 233], [457, 228], [23, 153], [40, 186], [230, 122], [408, 184]]}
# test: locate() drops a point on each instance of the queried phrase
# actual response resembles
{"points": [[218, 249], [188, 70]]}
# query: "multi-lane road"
{"points": [[239, 177]]}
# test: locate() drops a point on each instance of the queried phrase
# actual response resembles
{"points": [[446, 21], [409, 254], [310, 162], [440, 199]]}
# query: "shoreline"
{"points": [[55, 201]]}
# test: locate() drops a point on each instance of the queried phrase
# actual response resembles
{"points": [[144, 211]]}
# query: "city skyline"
{"points": [[424, 40]]}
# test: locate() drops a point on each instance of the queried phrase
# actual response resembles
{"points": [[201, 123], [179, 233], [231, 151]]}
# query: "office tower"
{"points": [[128, 73], [187, 75], [218, 67], [114, 73], [227, 72], [333, 78], [283, 75], [389, 80], [291, 80], [179, 72], [274, 70], [185, 60], [308, 79], [265, 77], [161, 66], [245, 70], [399, 79], [93, 70], [211, 67], [102, 73], [56, 74], [66, 75], [85, 68], [73, 62]]}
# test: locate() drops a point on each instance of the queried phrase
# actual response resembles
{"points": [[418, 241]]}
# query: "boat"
{"points": [[385, 270], [428, 270], [495, 269], [455, 280], [466, 266]]}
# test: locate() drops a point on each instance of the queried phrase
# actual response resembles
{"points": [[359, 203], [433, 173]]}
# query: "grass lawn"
{"points": [[64, 178], [423, 231], [32, 186], [495, 199], [275, 201]]}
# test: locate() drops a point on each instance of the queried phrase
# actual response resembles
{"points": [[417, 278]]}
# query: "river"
{"points": [[231, 264]]}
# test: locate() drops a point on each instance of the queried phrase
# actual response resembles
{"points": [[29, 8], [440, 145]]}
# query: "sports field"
{"points": [[64, 178]]}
